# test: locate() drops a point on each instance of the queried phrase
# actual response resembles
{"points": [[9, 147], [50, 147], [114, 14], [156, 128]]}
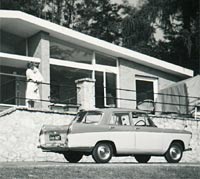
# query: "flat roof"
{"points": [[26, 25]]}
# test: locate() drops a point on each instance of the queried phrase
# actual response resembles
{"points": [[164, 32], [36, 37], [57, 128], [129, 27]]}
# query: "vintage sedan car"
{"points": [[104, 133]]}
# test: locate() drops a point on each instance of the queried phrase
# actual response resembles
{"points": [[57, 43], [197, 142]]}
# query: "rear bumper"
{"points": [[53, 147]]}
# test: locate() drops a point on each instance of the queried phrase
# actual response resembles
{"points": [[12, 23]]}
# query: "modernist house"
{"points": [[122, 77]]}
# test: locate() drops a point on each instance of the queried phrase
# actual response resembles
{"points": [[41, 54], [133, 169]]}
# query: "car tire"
{"points": [[174, 153], [102, 152], [73, 157], [142, 158]]}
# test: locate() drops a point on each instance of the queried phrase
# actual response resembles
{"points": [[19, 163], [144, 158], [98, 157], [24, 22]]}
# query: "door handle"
{"points": [[137, 128], [111, 127]]}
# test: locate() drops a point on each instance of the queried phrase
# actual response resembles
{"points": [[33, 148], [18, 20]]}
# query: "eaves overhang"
{"points": [[26, 25]]}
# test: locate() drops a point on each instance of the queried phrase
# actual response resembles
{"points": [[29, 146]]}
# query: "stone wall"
{"points": [[19, 129]]}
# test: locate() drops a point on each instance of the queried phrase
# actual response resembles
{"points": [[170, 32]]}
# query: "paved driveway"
{"points": [[58, 170]]}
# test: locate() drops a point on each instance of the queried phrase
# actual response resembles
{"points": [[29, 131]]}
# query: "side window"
{"points": [[121, 119], [92, 117], [139, 120]]}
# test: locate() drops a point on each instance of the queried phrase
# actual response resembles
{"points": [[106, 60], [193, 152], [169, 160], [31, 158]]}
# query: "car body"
{"points": [[104, 133]]}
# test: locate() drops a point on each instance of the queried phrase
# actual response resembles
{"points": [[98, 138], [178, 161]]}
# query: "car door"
{"points": [[148, 139], [121, 132]]}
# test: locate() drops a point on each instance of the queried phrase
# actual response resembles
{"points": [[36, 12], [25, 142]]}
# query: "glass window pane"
{"points": [[10, 43], [105, 60], [93, 117], [144, 91], [111, 89], [67, 51], [12, 87], [99, 90], [121, 119], [63, 87], [140, 119]]}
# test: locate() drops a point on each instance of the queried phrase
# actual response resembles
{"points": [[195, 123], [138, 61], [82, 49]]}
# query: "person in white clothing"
{"points": [[34, 78]]}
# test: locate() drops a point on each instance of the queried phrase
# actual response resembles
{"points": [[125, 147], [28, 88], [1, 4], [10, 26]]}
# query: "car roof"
{"points": [[117, 110]]}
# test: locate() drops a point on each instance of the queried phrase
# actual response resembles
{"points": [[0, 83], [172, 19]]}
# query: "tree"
{"points": [[99, 18], [61, 12], [28, 6], [137, 31], [179, 21]]}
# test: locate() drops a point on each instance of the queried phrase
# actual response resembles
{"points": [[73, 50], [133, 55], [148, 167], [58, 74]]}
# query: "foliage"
{"points": [[29, 6], [99, 18], [125, 25], [137, 31], [179, 21]]}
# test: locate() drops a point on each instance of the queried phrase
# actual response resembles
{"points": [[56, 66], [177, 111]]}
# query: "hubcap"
{"points": [[175, 152], [103, 152]]}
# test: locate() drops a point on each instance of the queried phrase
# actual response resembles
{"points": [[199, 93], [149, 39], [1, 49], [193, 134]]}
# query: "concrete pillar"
{"points": [[39, 46], [86, 93]]}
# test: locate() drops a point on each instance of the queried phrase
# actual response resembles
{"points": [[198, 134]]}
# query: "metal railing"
{"points": [[13, 89], [182, 105]]}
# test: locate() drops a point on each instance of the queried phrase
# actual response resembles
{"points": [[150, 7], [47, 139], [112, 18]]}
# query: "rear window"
{"points": [[90, 117]]}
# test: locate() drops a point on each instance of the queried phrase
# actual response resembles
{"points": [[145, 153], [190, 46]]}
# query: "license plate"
{"points": [[54, 137]]}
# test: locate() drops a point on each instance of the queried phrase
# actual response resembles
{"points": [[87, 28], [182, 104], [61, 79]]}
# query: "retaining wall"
{"points": [[19, 129]]}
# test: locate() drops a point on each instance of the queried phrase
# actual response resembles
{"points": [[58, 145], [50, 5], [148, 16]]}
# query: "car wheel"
{"points": [[102, 152], [142, 158], [174, 153], [73, 157]]}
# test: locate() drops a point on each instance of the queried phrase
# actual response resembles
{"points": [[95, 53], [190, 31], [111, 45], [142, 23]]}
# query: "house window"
{"points": [[146, 89], [12, 85], [105, 89], [70, 59], [63, 88], [99, 89], [66, 51], [105, 60], [13, 44], [110, 90]]}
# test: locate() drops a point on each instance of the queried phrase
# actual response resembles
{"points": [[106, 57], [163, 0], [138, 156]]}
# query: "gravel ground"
{"points": [[59, 170]]}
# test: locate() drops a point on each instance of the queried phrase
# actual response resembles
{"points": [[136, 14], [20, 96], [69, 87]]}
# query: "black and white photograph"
{"points": [[99, 89]]}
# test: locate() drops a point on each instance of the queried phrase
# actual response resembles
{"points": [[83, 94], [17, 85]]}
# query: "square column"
{"points": [[38, 46], [85, 93]]}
